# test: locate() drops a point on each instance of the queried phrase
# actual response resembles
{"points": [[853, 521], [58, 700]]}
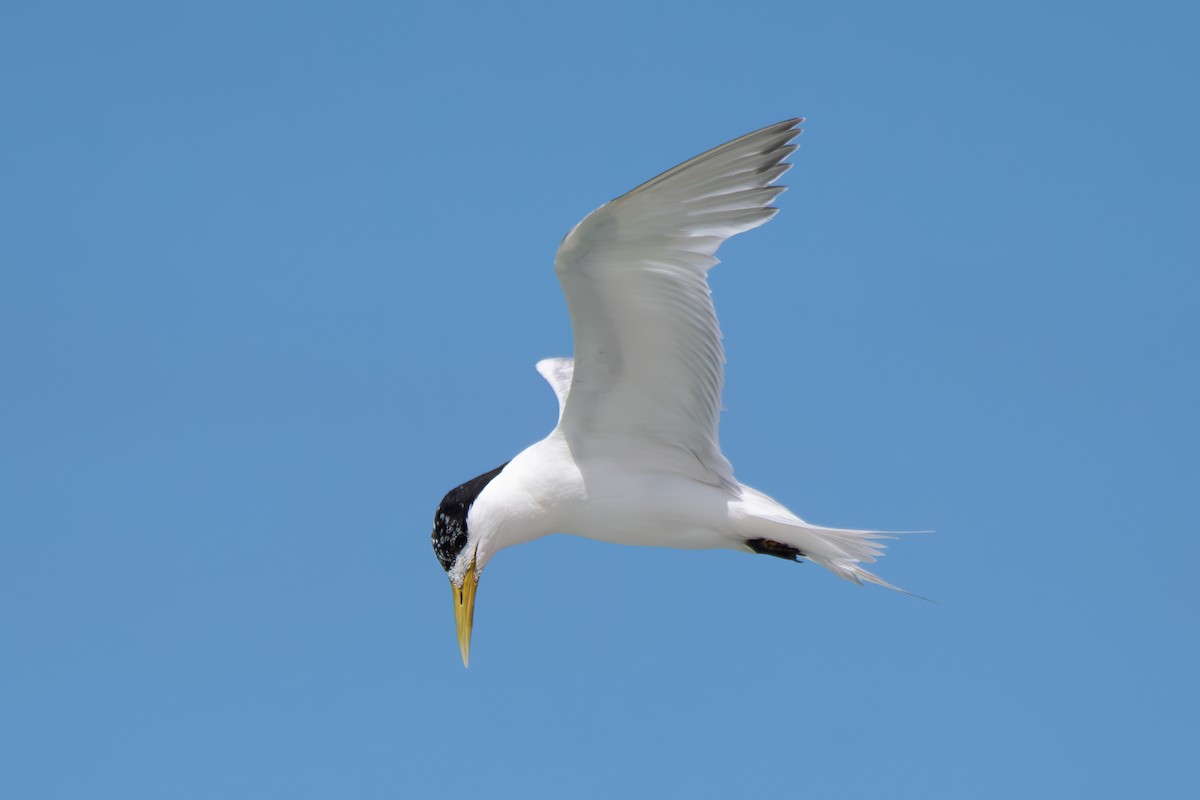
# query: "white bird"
{"points": [[634, 458]]}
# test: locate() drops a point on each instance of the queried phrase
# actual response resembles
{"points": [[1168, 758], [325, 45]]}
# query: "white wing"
{"points": [[557, 372], [648, 355]]}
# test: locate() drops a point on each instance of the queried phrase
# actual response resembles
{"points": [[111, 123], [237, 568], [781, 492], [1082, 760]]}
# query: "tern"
{"points": [[634, 458]]}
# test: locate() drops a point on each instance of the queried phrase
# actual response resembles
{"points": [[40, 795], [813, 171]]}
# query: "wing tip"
{"points": [[786, 125]]}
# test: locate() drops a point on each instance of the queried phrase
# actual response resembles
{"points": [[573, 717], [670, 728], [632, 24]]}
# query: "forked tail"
{"points": [[772, 529]]}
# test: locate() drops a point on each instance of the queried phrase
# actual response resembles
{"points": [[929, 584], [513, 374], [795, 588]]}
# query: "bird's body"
{"points": [[548, 489], [617, 493], [635, 458]]}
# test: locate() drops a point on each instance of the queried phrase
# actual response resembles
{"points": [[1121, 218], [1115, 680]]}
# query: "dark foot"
{"points": [[770, 547]]}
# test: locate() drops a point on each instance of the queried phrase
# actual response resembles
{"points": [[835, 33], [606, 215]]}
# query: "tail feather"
{"points": [[841, 551]]}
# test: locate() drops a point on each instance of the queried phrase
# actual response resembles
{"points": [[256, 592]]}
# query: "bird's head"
{"points": [[457, 546]]}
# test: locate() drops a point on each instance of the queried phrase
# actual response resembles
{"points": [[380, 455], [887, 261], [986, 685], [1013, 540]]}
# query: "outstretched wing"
{"points": [[648, 355], [557, 372]]}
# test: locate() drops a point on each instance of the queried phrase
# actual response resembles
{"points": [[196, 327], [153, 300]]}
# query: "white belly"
{"points": [[613, 503], [545, 490]]}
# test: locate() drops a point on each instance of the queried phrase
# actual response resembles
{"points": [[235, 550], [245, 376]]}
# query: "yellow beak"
{"points": [[464, 610]]}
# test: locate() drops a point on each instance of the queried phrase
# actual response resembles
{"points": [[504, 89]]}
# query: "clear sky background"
{"points": [[274, 277]]}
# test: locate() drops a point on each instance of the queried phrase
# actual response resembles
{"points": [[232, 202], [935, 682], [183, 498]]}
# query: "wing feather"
{"points": [[557, 372], [649, 364]]}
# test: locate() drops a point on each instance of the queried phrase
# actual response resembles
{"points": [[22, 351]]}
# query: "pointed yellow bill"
{"points": [[464, 610]]}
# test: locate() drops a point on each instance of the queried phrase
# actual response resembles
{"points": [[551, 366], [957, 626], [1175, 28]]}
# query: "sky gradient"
{"points": [[273, 280]]}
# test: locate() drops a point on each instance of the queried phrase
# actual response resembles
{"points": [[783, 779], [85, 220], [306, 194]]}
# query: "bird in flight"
{"points": [[634, 458]]}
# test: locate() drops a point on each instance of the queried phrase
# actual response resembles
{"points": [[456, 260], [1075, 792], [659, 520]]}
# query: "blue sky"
{"points": [[273, 279]]}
